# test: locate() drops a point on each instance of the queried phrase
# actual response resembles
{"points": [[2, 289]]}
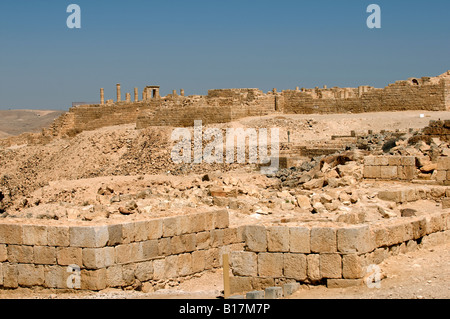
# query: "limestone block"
{"points": [[434, 223], [198, 223], [217, 236], [323, 240], [270, 264], [128, 233], [164, 247], [11, 234], [406, 172], [184, 264], [1, 274], [277, 239], [44, 255], [10, 275], [30, 275], [295, 266], [93, 279], [388, 172], [369, 160], [299, 240], [408, 161], [394, 161], [20, 254], [240, 284], [419, 227], [126, 253], [35, 235], [203, 240], [58, 236], [221, 219], [260, 283], [381, 160], [96, 258], [230, 236], [212, 258], [66, 256], [443, 163], [255, 238], [171, 267], [56, 276], [313, 267], [148, 249], [244, 263], [144, 271], [396, 233], [129, 274], [372, 172], [88, 237], [171, 227], [114, 276], [352, 266], [3, 253], [330, 266], [355, 239], [177, 245], [273, 293], [115, 235], [198, 261]]}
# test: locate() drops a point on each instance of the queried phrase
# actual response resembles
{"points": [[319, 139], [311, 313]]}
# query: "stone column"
{"points": [[156, 93], [297, 88], [128, 97], [274, 90], [144, 94], [181, 92], [102, 96], [119, 96], [136, 95]]}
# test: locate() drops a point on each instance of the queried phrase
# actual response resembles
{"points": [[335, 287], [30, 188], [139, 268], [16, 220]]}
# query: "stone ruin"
{"points": [[345, 220]]}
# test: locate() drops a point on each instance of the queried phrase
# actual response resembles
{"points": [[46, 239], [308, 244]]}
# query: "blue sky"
{"points": [[206, 44]]}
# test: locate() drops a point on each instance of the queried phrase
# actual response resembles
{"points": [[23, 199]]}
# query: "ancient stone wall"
{"points": [[400, 96], [390, 167], [338, 255], [116, 254]]}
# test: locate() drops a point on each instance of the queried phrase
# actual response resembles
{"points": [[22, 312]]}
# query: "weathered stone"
{"points": [[66, 256], [299, 240], [240, 284], [303, 202], [96, 258], [255, 295], [11, 234], [88, 236], [313, 267], [3, 253], [44, 255], [290, 288], [198, 261], [330, 266], [255, 238], [244, 263], [270, 264], [323, 240], [20, 254], [295, 266], [273, 293], [30, 275], [93, 279], [10, 275], [58, 236], [35, 235], [144, 271], [114, 276], [352, 266], [184, 264], [355, 239], [314, 184], [278, 239]]}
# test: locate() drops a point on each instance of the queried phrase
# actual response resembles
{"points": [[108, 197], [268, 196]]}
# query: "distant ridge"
{"points": [[16, 122]]}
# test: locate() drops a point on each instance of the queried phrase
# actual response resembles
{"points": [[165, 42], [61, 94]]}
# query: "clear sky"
{"points": [[206, 44]]}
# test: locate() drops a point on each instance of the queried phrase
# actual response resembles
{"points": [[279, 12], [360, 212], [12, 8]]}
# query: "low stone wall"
{"points": [[113, 255], [390, 167], [337, 255], [443, 170]]}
